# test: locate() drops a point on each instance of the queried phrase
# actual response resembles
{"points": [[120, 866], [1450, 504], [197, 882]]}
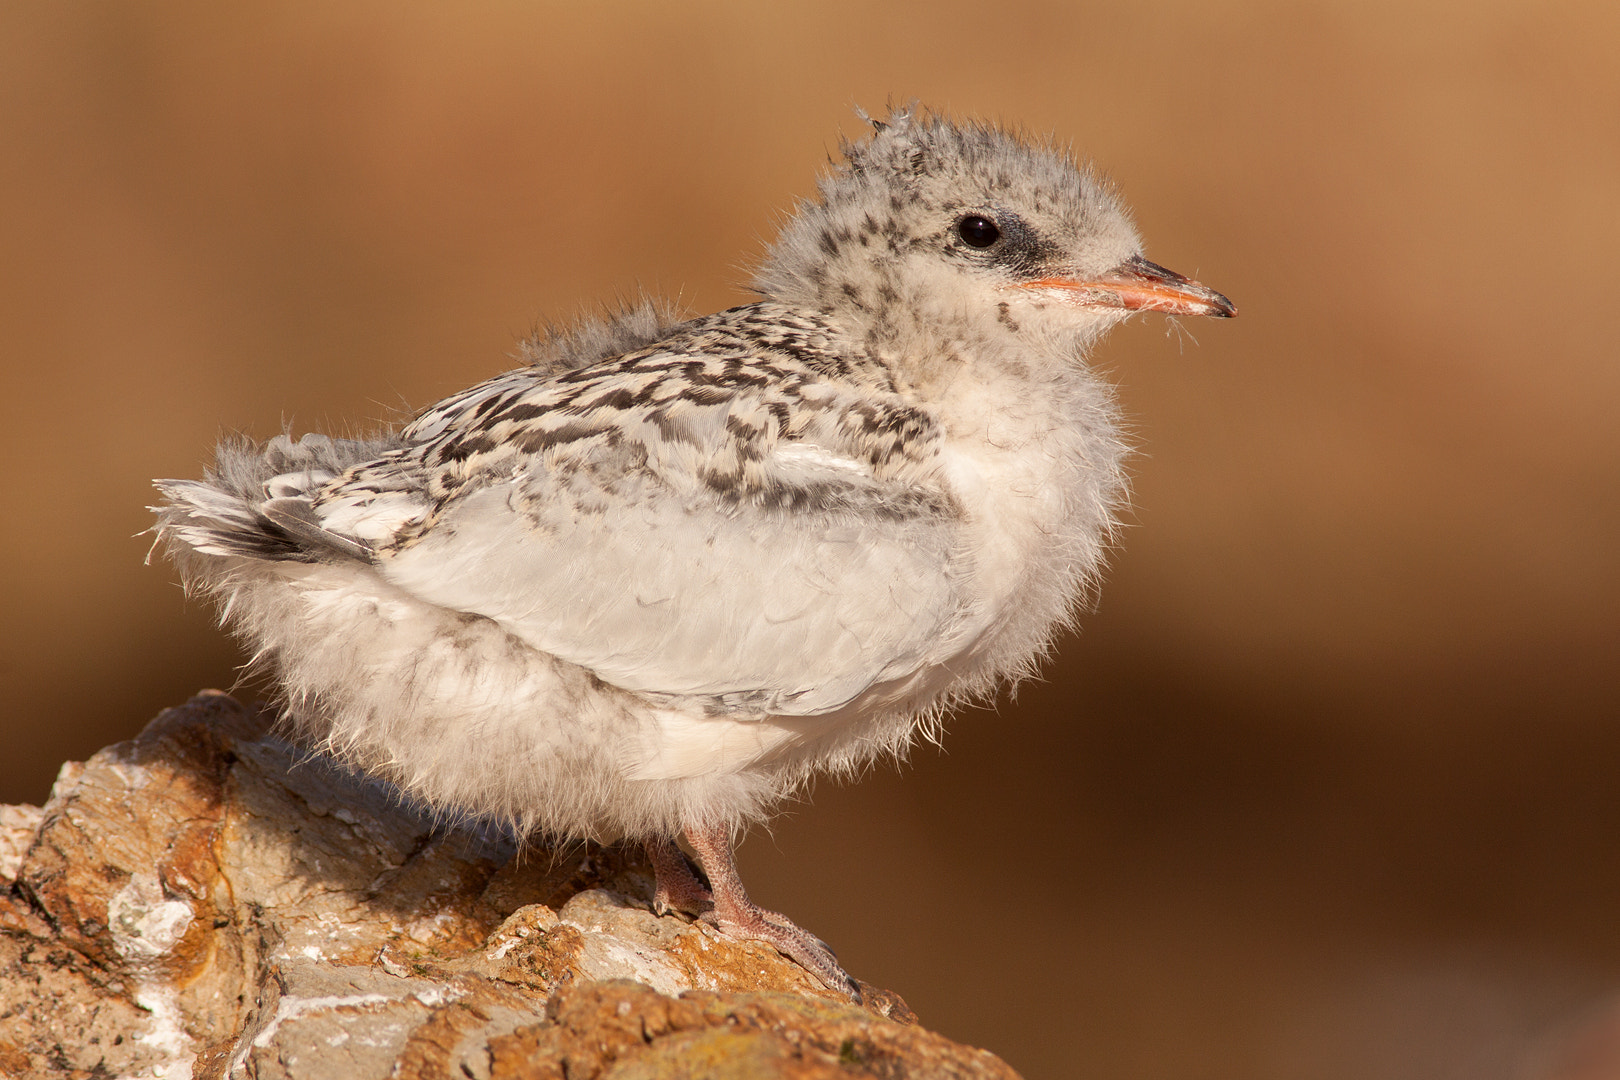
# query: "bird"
{"points": [[671, 569]]}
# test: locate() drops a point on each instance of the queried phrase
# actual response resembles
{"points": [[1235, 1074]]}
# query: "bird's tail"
{"points": [[255, 502]]}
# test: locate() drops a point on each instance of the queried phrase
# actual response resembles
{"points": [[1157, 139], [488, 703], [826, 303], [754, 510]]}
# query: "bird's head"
{"points": [[950, 230]]}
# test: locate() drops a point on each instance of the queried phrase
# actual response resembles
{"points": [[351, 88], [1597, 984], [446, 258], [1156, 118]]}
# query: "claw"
{"points": [[795, 943]]}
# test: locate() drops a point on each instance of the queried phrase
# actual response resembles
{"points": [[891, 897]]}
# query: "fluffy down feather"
{"points": [[672, 568]]}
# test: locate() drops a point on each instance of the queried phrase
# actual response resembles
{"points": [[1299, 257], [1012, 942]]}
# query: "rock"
{"points": [[207, 900]]}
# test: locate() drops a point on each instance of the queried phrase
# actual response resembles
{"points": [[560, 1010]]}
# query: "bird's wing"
{"points": [[674, 533]]}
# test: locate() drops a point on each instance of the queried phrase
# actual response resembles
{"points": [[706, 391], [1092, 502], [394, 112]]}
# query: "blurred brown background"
{"points": [[1326, 788]]}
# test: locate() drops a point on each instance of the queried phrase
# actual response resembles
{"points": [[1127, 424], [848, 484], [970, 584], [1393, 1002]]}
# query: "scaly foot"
{"points": [[679, 887], [736, 916]]}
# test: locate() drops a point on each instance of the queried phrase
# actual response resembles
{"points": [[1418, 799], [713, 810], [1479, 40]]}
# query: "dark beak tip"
{"points": [[1194, 293]]}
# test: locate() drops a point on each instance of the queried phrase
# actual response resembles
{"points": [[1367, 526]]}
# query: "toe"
{"points": [[798, 945]]}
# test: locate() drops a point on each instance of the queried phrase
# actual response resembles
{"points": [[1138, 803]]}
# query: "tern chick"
{"points": [[656, 580]]}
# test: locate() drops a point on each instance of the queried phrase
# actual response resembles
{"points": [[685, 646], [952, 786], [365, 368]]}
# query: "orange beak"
{"points": [[1138, 285]]}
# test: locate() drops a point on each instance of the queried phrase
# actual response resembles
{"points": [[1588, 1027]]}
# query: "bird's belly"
{"points": [[679, 746]]}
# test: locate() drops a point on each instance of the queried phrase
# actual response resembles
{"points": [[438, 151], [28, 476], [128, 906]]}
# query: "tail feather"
{"points": [[211, 521], [255, 503]]}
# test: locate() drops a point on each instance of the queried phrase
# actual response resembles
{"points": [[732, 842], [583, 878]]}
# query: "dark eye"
{"points": [[978, 231]]}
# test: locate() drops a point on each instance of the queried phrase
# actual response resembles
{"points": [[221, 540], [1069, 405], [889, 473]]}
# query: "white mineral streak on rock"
{"points": [[166, 1034], [293, 1009], [144, 925]]}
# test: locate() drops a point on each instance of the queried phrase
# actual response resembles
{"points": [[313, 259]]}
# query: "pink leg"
{"points": [[678, 887], [738, 917]]}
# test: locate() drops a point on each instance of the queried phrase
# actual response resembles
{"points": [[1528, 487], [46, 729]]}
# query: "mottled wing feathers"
{"points": [[693, 519]]}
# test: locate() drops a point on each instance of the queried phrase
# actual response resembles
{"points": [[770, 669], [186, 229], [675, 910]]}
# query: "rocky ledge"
{"points": [[207, 901]]}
